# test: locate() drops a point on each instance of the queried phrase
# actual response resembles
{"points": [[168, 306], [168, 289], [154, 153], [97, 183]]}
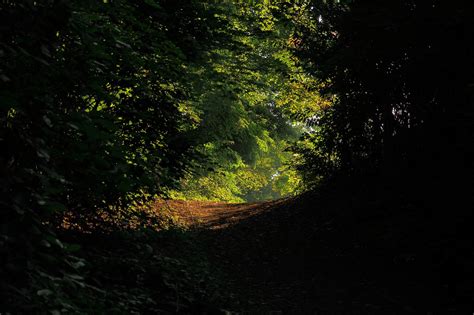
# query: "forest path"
{"points": [[277, 257], [252, 246], [215, 215]]}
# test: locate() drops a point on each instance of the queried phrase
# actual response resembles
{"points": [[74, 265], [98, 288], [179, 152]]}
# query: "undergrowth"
{"points": [[122, 271]]}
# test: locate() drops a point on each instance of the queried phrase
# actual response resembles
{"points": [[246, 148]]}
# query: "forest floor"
{"points": [[276, 258], [260, 274], [371, 252]]}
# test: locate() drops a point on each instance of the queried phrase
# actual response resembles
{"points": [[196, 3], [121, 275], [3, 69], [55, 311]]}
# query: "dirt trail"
{"points": [[215, 215], [271, 261], [250, 244], [278, 258]]}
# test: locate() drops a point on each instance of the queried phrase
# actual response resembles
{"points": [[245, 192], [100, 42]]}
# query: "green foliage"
{"points": [[242, 130], [92, 116], [130, 272], [105, 105]]}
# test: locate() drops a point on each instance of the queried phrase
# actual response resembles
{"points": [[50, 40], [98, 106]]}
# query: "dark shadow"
{"points": [[351, 252]]}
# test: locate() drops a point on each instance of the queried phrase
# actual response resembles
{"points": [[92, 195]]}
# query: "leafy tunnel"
{"points": [[234, 157]]}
